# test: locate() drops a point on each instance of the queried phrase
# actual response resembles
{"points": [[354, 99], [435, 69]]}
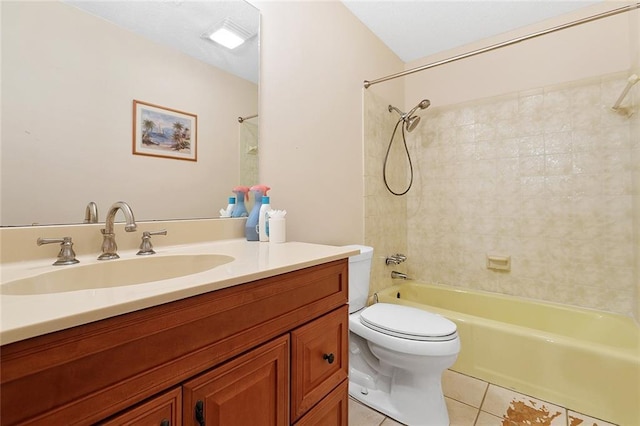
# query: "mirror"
{"points": [[70, 76]]}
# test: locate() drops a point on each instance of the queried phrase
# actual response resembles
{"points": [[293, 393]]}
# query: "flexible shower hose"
{"points": [[386, 157]]}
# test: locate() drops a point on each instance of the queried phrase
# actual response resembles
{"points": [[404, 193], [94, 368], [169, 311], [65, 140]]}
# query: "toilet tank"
{"points": [[359, 275]]}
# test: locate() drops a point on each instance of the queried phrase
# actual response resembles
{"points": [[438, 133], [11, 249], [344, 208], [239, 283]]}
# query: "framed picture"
{"points": [[164, 132]]}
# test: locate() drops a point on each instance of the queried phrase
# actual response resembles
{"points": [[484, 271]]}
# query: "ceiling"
{"points": [[181, 23], [419, 28], [412, 29]]}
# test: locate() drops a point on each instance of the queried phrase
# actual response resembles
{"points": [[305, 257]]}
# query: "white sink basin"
{"points": [[114, 273]]}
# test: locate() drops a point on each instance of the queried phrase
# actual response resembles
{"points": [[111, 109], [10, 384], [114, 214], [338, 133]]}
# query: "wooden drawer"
{"points": [[331, 411], [319, 360], [163, 410]]}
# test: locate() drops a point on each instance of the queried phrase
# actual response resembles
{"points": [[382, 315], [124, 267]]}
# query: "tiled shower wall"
{"points": [[248, 145], [547, 176], [385, 214]]}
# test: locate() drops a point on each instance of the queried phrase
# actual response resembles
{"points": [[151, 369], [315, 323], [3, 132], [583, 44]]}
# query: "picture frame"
{"points": [[164, 132]]}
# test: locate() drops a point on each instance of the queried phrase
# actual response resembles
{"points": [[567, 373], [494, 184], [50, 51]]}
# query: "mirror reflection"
{"points": [[69, 79]]}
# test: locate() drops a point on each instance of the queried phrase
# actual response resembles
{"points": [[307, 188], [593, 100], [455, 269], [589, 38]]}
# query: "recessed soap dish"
{"points": [[498, 262]]}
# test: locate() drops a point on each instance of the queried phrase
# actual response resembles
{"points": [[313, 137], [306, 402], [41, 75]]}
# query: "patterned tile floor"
{"points": [[473, 402]]}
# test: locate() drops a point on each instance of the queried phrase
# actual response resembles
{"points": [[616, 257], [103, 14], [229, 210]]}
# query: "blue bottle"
{"points": [[251, 228], [242, 193]]}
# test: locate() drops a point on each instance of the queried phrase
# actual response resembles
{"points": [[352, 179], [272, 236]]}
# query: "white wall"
{"points": [[315, 56]]}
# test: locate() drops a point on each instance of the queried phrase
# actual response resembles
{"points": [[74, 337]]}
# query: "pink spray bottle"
{"points": [[251, 228], [242, 194]]}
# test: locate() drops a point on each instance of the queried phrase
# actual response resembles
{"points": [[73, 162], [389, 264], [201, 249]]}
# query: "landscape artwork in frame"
{"points": [[164, 132]]}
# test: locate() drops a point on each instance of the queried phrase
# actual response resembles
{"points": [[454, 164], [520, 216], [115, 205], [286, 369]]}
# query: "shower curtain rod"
{"points": [[368, 83], [241, 119], [631, 81]]}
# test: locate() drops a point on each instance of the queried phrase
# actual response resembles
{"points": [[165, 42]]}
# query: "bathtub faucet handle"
{"points": [[395, 259]]}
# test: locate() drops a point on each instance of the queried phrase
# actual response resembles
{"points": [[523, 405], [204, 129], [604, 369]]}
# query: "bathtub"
{"points": [[585, 360]]}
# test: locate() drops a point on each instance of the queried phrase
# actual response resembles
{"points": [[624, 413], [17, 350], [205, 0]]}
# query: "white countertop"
{"points": [[25, 316]]}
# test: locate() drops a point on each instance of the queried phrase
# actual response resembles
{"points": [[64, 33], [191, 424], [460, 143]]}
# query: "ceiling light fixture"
{"points": [[228, 34]]}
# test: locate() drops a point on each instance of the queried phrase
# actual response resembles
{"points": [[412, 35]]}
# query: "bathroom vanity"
{"points": [[266, 351]]}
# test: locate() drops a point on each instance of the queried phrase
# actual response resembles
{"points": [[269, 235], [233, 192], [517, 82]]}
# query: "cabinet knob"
{"points": [[165, 422], [329, 357], [200, 413]]}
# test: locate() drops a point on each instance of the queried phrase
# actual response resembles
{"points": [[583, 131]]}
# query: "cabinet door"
{"points": [[252, 389], [163, 410], [319, 360], [331, 411]]}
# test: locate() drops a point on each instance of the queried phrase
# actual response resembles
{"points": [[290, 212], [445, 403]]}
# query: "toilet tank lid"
{"points": [[366, 252]]}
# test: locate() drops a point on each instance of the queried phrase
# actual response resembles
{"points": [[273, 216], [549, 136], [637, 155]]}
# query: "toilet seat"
{"points": [[408, 323]]}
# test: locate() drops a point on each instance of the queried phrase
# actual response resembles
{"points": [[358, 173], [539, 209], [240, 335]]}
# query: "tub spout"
{"points": [[398, 275]]}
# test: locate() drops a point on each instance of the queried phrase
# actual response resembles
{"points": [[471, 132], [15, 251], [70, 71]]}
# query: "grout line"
{"points": [[475, 421], [466, 404], [484, 396]]}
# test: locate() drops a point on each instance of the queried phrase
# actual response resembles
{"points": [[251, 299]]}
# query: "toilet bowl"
{"points": [[397, 354]]}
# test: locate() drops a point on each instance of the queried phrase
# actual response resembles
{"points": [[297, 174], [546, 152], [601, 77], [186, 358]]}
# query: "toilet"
{"points": [[397, 353]]}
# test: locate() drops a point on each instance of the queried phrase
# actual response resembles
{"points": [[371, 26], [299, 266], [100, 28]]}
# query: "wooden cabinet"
{"points": [[236, 349], [253, 389]]}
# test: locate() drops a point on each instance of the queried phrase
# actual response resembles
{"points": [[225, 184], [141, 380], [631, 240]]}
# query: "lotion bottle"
{"points": [[263, 219], [231, 206]]}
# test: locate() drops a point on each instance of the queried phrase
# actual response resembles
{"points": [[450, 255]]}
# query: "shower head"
{"points": [[424, 104], [411, 122]]}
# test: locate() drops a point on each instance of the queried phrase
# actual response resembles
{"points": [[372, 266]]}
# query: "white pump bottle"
{"points": [[263, 219]]}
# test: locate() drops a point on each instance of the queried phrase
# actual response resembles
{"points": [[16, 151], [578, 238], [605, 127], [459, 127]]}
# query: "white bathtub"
{"points": [[585, 360]]}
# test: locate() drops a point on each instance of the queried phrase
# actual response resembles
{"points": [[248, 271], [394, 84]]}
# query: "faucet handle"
{"points": [[146, 247], [400, 257], [66, 256], [395, 259]]}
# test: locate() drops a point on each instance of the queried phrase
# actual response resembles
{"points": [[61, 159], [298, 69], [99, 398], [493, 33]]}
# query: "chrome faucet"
{"points": [[109, 247]]}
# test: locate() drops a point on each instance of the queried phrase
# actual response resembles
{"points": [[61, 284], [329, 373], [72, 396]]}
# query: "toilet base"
{"points": [[376, 399], [431, 413]]}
